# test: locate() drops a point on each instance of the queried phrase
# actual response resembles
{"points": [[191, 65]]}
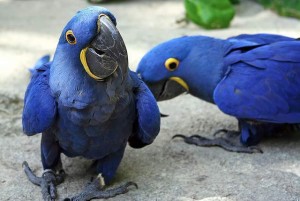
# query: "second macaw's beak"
{"points": [[168, 89], [106, 53]]}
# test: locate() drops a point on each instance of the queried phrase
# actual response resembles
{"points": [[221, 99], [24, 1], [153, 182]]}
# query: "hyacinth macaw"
{"points": [[254, 78], [86, 102]]}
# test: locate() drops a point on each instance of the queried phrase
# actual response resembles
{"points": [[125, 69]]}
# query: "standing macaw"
{"points": [[254, 78], [86, 102]]}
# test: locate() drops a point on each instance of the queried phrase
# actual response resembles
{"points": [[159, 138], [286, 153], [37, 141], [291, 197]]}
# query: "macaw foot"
{"points": [[95, 190], [225, 143], [47, 182]]}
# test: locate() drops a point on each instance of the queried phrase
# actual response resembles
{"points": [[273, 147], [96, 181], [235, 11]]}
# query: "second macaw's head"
{"points": [[158, 70], [90, 51], [180, 65]]}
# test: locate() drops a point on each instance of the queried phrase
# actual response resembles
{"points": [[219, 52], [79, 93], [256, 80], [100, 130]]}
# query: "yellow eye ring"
{"points": [[70, 37], [171, 64]]}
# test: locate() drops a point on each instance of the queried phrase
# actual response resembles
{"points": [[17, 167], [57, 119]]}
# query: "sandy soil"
{"points": [[168, 169]]}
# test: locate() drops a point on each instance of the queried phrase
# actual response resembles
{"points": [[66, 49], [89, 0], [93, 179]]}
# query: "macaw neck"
{"points": [[209, 71], [207, 85]]}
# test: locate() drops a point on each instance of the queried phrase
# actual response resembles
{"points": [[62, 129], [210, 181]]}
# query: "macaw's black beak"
{"points": [[167, 89], [106, 53]]}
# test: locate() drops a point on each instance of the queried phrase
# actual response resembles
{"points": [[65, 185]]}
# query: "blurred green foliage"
{"points": [[289, 8], [235, 1], [210, 14]]}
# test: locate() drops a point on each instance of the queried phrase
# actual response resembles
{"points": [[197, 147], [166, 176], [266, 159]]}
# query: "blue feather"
{"points": [[148, 115], [267, 94], [261, 39], [40, 63], [39, 106]]}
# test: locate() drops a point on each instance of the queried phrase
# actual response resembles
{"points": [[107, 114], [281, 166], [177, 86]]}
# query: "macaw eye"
{"points": [[70, 37], [171, 64]]}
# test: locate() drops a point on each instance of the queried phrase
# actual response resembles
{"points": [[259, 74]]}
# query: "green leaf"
{"points": [[235, 1], [290, 8], [211, 14]]}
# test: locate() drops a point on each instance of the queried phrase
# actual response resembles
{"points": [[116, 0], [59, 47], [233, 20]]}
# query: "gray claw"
{"points": [[163, 115], [47, 182], [179, 136], [220, 131], [94, 190], [130, 183]]}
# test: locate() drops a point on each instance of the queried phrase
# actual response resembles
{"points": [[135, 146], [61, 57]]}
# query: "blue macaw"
{"points": [[86, 102], [254, 78]]}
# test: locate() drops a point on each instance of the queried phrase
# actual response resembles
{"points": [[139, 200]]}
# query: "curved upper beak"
{"points": [[168, 89], [106, 53]]}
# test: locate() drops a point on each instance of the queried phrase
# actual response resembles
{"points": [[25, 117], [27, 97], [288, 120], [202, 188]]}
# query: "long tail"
{"points": [[43, 60]]}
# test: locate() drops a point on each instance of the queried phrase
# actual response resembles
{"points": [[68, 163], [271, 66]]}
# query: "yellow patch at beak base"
{"points": [[181, 82], [85, 65]]}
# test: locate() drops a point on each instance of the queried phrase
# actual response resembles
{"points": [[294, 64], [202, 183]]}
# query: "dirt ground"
{"points": [[168, 169]]}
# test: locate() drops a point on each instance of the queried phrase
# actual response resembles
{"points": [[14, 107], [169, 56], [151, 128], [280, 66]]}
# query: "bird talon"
{"points": [[128, 184], [179, 136], [94, 190], [219, 132], [25, 165], [48, 181], [163, 115], [52, 190]]}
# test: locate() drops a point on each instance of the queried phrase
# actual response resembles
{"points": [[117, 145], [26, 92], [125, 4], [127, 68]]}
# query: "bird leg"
{"points": [[48, 182], [228, 142], [95, 189]]}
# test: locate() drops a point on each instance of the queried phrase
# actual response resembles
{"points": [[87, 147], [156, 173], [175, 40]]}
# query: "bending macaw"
{"points": [[86, 102], [254, 78]]}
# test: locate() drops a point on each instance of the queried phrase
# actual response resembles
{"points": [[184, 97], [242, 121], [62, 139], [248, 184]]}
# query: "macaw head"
{"points": [[179, 65], [91, 36], [90, 54]]}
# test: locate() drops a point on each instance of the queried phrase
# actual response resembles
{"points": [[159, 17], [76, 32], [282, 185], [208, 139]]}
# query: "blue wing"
{"points": [[43, 60], [263, 84], [39, 105], [147, 123], [246, 42], [261, 39]]}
